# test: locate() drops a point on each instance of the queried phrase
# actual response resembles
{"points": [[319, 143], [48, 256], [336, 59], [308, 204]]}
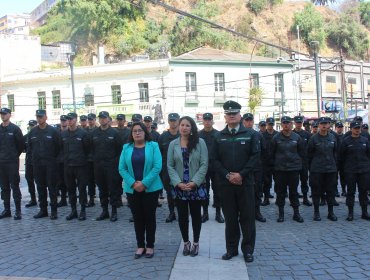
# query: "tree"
{"points": [[323, 2], [255, 98], [364, 10]]}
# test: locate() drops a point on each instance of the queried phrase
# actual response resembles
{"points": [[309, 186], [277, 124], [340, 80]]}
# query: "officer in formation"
{"points": [[62, 188], [314, 128], [208, 134], [122, 130], [340, 135], [148, 121], [262, 126], [11, 147], [248, 122], [91, 188], [235, 155], [29, 167], [83, 121], [164, 141]]}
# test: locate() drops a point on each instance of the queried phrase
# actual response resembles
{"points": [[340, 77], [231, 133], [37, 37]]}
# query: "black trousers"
{"points": [[167, 186], [267, 180], [144, 206], [30, 179], [342, 180], [239, 211], [76, 177], [9, 181], [303, 176], [258, 175], [107, 179], [61, 183], [183, 207], [323, 183], [46, 180], [91, 179], [211, 182], [362, 182], [283, 181]]}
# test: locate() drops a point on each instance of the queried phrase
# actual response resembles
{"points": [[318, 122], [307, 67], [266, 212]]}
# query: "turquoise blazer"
{"points": [[152, 167]]}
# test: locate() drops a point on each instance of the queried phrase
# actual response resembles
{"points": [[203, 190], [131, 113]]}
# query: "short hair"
{"points": [[143, 127]]}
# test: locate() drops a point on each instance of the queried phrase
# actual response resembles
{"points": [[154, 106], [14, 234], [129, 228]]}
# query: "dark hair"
{"points": [[193, 137], [143, 127]]}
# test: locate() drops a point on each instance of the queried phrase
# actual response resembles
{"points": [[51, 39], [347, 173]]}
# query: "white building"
{"points": [[15, 24]]}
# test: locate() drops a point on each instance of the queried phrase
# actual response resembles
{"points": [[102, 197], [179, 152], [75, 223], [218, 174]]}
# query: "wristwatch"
{"points": [[228, 176]]}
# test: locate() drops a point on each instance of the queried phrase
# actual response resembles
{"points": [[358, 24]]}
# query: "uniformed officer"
{"points": [[61, 185], [83, 121], [365, 128], [303, 175], [315, 128], [44, 143], [91, 188], [354, 157], [29, 167], [340, 135], [129, 124], [11, 147], [268, 164], [322, 162], [208, 134], [122, 130], [148, 121], [75, 145], [106, 147], [262, 126], [163, 142], [248, 122], [137, 118], [235, 154], [288, 151]]}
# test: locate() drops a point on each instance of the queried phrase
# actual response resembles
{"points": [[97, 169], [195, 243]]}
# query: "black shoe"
{"points": [[322, 202], [332, 217], [149, 255], [113, 218], [194, 250], [365, 216], [280, 219], [41, 214], [335, 203], [18, 215], [300, 195], [5, 214], [298, 218], [138, 256], [91, 202], [219, 218], [265, 202], [82, 216], [306, 202], [349, 217], [171, 217], [337, 194], [72, 215], [186, 250], [344, 193], [270, 196], [103, 216], [229, 255], [316, 216], [260, 218], [248, 258], [205, 217], [53, 216], [31, 203], [62, 203]]}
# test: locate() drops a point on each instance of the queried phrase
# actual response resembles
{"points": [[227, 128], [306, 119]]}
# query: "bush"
{"points": [[257, 6]]}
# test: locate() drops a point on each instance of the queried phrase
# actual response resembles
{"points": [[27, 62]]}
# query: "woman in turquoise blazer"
{"points": [[139, 165]]}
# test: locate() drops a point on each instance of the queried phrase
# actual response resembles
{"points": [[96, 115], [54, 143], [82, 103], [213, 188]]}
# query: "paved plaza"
{"points": [[60, 249]]}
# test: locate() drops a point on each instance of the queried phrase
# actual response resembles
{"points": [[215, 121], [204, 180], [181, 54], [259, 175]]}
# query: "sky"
{"points": [[17, 6]]}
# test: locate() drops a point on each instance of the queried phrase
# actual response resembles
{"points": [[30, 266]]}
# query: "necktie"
{"points": [[233, 131]]}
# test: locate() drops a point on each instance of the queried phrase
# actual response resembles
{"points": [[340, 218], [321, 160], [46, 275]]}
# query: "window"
{"points": [[352, 81], [89, 96], [255, 80], [42, 100], [144, 92], [191, 81], [219, 82], [331, 85], [279, 82], [116, 95], [11, 102], [331, 79], [56, 99]]}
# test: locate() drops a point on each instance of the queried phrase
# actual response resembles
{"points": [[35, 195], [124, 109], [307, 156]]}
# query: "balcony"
{"points": [[219, 97], [191, 97]]}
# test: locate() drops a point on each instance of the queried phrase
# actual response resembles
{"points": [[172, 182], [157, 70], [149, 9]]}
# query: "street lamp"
{"points": [[315, 47], [70, 57], [368, 107]]}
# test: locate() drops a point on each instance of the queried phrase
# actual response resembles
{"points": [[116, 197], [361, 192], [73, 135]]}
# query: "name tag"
{"points": [[49, 137], [242, 142], [110, 137], [10, 133]]}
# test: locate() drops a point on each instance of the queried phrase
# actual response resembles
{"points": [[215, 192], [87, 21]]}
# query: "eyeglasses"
{"points": [[138, 131]]}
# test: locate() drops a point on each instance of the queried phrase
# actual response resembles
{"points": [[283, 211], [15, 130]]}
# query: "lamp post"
{"points": [[315, 47], [368, 107], [70, 57]]}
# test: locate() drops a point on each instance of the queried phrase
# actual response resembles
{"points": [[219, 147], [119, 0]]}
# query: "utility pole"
{"points": [[343, 85], [315, 46], [70, 57]]}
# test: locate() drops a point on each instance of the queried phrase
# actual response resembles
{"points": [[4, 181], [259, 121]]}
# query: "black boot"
{"points": [[205, 216], [54, 213], [281, 214], [32, 202], [73, 214], [296, 216], [365, 215], [266, 200], [113, 217], [91, 202], [82, 216], [306, 201], [171, 217], [350, 214], [331, 215], [42, 213], [104, 214], [18, 212], [259, 216], [219, 217], [316, 213], [6, 213]]}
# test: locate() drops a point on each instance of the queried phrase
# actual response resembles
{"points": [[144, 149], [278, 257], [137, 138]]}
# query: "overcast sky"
{"points": [[17, 6]]}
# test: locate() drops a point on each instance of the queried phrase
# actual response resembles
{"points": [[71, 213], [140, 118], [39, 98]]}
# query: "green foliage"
{"points": [[323, 2], [255, 98], [311, 25], [257, 6], [364, 10], [346, 33]]}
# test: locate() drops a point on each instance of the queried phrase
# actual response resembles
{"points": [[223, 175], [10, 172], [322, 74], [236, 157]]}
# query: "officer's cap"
{"points": [[71, 116], [355, 124], [63, 117], [103, 114], [173, 116], [365, 126], [40, 113], [339, 124], [315, 124], [207, 116], [137, 118], [91, 116], [32, 123], [83, 118], [324, 120], [357, 118], [262, 123], [286, 119], [270, 121], [154, 125], [248, 116], [148, 119], [298, 119], [231, 106], [4, 111], [121, 117], [129, 124]]}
